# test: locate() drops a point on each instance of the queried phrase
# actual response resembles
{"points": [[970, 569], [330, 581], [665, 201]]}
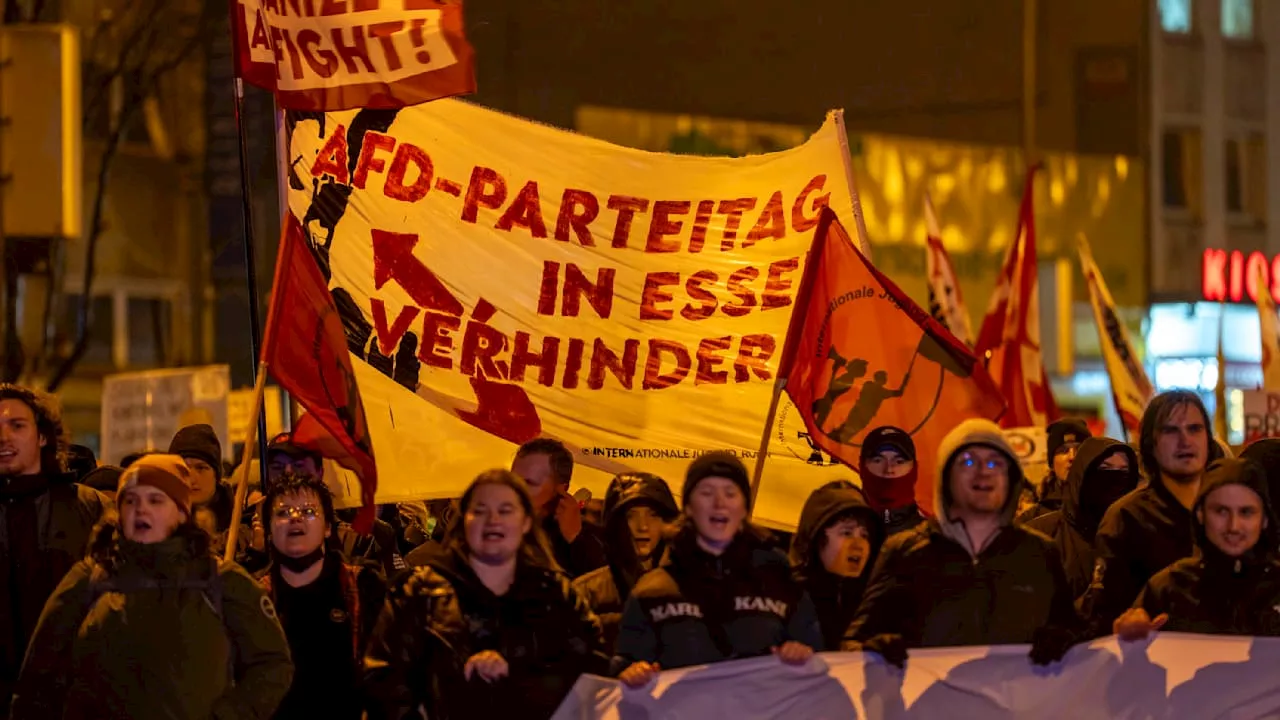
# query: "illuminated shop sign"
{"points": [[1232, 276]]}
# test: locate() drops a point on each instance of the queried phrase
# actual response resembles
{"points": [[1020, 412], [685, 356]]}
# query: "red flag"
{"points": [[1010, 335], [353, 58], [305, 348], [860, 355]]}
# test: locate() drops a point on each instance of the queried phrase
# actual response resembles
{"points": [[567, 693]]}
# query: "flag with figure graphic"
{"points": [[946, 302], [1010, 336], [860, 354], [1270, 333], [1130, 387]]}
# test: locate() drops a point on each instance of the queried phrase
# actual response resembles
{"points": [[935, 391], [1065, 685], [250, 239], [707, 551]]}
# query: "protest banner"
{"points": [[343, 54], [1172, 676], [1261, 415], [1031, 448], [500, 280], [143, 410], [239, 407]]}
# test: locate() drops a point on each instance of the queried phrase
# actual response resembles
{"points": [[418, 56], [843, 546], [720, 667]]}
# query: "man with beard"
{"points": [[45, 520], [1150, 528], [547, 466], [1103, 471], [1232, 586], [970, 576]]}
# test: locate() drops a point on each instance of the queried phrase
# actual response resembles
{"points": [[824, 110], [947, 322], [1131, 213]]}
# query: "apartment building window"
{"points": [[1180, 160], [1175, 16], [1237, 19], [1246, 176]]}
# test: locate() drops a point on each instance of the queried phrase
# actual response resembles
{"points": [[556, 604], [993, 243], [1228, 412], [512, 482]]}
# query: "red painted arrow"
{"points": [[393, 259]]}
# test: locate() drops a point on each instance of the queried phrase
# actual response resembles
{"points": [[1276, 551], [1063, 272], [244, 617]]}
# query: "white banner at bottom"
{"points": [[1174, 676]]}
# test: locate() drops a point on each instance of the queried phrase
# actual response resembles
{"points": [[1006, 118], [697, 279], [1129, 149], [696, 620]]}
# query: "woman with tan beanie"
{"points": [[150, 624]]}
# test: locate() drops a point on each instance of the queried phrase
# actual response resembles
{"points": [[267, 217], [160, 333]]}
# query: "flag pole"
{"points": [[242, 486], [758, 473], [864, 238]]}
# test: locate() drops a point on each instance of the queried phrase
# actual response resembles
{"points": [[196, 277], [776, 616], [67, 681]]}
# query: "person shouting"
{"points": [[151, 625], [1231, 586], [721, 593], [832, 554], [490, 628], [637, 509], [326, 606], [971, 576]]}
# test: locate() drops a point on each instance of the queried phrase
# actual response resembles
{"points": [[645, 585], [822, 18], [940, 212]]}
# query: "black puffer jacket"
{"points": [[698, 608], [1215, 594], [606, 589], [933, 589], [835, 597], [439, 616], [1086, 495]]}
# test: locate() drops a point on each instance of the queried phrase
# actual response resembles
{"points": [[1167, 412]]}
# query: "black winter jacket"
{"points": [[931, 588], [45, 528], [698, 608], [1212, 593], [835, 598], [1086, 495], [440, 615]]}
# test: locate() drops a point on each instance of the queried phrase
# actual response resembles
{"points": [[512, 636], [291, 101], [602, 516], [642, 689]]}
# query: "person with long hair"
{"points": [[150, 624], [490, 627], [721, 593], [326, 605], [637, 509]]}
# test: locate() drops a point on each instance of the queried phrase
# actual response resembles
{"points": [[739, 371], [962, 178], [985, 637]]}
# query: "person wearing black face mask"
{"points": [[1102, 472]]}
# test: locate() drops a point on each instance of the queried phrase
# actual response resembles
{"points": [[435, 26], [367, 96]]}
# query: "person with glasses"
{"points": [[327, 606], [970, 576]]}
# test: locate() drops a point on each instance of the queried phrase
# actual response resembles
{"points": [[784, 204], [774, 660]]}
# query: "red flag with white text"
{"points": [[1010, 336], [305, 348], [325, 55], [861, 354]]}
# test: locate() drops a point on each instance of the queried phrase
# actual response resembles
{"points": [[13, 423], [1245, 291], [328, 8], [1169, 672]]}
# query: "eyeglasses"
{"points": [[995, 463], [306, 512]]}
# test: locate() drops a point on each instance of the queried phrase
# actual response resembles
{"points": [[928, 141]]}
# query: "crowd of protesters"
{"points": [[493, 604]]}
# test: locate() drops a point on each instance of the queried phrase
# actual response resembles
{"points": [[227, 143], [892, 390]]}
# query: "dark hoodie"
{"points": [[935, 590], [1211, 592], [835, 597], [439, 616], [1143, 532], [1087, 493], [606, 589]]}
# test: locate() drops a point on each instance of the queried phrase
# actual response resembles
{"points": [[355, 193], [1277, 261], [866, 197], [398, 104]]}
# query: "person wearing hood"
{"points": [[1231, 586], [490, 628], [832, 553], [326, 606], [1103, 471], [1062, 442], [46, 519], [1266, 452], [887, 467], [1150, 528], [637, 510], [971, 576], [721, 593], [151, 624]]}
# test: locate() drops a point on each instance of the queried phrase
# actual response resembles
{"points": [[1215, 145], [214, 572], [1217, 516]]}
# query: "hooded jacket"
{"points": [[159, 649], [934, 589], [606, 589], [1086, 495], [835, 598], [699, 608], [1143, 532], [1211, 592], [439, 616], [46, 522]]}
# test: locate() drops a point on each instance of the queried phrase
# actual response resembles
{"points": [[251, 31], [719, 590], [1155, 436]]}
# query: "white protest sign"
{"points": [[142, 411], [1261, 415]]}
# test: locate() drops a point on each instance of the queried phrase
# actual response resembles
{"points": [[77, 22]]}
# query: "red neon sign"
{"points": [[1231, 277]]}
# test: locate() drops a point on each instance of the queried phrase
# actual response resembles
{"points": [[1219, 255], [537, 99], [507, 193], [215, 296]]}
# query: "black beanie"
{"points": [[1070, 430], [720, 463], [200, 442]]}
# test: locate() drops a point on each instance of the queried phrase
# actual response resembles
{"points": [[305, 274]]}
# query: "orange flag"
{"points": [[860, 354]]}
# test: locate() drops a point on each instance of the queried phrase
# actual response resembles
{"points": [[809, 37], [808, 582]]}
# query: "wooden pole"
{"points": [[242, 487], [778, 388]]}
